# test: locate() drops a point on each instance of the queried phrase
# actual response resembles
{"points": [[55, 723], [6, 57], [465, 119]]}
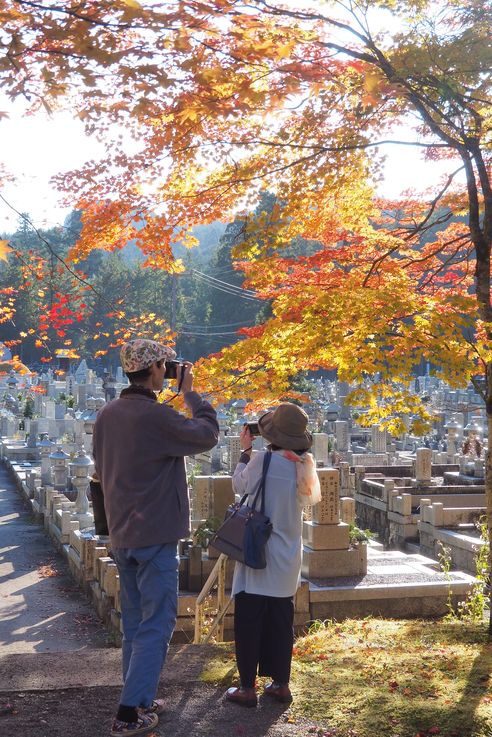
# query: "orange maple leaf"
{"points": [[5, 249]]}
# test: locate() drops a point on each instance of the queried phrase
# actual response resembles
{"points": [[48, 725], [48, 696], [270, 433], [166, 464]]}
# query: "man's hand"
{"points": [[187, 369]]}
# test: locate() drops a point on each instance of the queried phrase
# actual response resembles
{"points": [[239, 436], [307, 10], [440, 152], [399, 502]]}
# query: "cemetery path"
{"points": [[58, 675], [194, 708], [42, 610]]}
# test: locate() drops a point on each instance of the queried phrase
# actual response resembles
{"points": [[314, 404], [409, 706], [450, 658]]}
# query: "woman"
{"points": [[264, 599]]}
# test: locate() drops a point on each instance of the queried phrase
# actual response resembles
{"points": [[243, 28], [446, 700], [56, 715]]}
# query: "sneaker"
{"points": [[156, 707], [144, 723]]}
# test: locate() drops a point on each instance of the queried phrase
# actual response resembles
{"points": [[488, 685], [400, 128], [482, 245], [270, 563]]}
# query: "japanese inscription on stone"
{"points": [[327, 511]]}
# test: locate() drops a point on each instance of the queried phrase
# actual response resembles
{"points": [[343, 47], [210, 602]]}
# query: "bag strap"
{"points": [[261, 485]]}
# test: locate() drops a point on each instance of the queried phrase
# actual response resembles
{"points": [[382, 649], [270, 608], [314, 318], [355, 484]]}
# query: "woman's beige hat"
{"points": [[286, 427]]}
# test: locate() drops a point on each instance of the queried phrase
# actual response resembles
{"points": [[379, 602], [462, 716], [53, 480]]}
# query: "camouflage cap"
{"points": [[141, 353]]}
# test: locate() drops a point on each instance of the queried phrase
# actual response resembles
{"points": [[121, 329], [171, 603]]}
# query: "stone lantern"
{"points": [[332, 411], [59, 460], [473, 427], [89, 418], [82, 465], [452, 428], [472, 446], [109, 387], [100, 402], [12, 382], [46, 446]]}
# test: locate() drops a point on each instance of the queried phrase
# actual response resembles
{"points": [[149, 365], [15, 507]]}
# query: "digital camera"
{"points": [[171, 369], [253, 428]]}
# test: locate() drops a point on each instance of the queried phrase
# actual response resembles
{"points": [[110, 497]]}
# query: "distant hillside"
{"points": [[208, 235]]}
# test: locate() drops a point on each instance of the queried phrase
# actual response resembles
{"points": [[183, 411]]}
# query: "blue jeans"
{"points": [[149, 604]]}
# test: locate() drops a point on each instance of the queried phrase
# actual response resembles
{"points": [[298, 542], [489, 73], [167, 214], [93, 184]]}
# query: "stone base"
{"points": [[334, 563], [325, 537]]}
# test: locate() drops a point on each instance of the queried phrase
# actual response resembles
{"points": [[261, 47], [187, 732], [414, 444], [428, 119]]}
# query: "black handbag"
{"points": [[97, 499], [245, 530]]}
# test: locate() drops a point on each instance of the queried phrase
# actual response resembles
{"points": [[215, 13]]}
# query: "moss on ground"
{"points": [[387, 678]]}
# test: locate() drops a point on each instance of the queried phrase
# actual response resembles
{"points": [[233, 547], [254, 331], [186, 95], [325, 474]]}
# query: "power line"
{"points": [[236, 292], [194, 326], [205, 335], [223, 283], [223, 286]]}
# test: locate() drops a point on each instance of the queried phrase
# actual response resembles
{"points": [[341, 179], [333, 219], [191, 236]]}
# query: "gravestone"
{"points": [[201, 497], [221, 496], [326, 550], [320, 448], [378, 439], [233, 445], [342, 435], [423, 466]]}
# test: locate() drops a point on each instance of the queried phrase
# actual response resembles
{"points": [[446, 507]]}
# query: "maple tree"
{"points": [[220, 99]]}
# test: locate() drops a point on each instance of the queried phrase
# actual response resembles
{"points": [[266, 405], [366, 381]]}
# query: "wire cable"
{"points": [[222, 283]]}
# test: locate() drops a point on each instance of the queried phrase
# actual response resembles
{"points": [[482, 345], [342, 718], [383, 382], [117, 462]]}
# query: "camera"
{"points": [[253, 428], [171, 369]]}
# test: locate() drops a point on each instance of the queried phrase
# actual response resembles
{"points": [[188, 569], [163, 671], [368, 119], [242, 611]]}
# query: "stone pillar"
{"points": [[347, 510], [221, 496], [201, 497], [344, 469], [320, 448], [342, 436], [423, 466], [233, 451], [326, 512], [59, 468], [388, 487], [359, 473], [46, 446], [378, 439], [82, 396], [82, 465], [50, 409], [33, 434], [326, 551]]}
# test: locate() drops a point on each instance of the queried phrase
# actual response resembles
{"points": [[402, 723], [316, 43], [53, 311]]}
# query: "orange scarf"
{"points": [[308, 488]]}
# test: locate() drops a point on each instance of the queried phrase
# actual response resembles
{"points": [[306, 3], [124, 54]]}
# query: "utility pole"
{"points": [[174, 302], [174, 298]]}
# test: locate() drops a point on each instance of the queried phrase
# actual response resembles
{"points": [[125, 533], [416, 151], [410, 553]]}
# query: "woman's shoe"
{"points": [[242, 696], [279, 691]]}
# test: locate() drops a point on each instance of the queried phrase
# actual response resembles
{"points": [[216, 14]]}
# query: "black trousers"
{"points": [[264, 637]]}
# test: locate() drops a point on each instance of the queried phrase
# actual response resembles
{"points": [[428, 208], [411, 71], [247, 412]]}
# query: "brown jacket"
{"points": [[139, 447]]}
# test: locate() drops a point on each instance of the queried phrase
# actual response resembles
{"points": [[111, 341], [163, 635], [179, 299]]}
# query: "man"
{"points": [[139, 448]]}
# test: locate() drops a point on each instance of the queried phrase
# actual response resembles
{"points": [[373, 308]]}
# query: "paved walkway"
{"points": [[45, 619], [42, 610]]}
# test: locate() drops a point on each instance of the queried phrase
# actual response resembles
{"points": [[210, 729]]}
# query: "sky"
{"points": [[34, 148]]}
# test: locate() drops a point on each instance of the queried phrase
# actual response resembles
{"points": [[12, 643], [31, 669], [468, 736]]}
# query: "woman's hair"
{"points": [[135, 376], [277, 447]]}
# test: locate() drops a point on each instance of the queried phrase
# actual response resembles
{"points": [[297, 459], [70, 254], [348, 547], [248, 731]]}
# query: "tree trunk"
{"points": [[488, 476]]}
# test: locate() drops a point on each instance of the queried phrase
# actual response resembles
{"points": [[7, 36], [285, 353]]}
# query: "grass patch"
{"points": [[387, 678]]}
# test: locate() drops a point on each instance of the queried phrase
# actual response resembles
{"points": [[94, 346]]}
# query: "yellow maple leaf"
{"points": [[5, 248], [133, 4]]}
